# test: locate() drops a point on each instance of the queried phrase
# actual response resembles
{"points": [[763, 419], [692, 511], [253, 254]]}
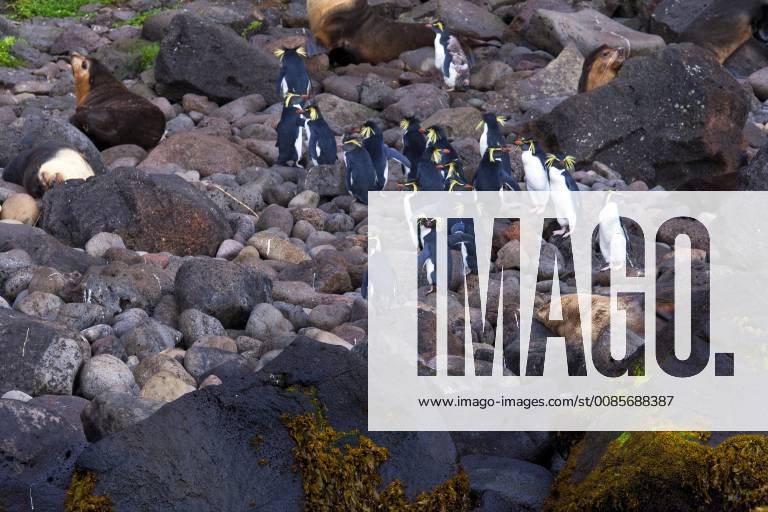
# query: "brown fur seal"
{"points": [[600, 67], [108, 112], [570, 326], [44, 165], [368, 37]]}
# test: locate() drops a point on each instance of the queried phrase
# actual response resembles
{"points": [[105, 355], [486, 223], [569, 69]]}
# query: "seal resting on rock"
{"points": [[38, 168], [600, 67], [366, 36], [108, 112]]}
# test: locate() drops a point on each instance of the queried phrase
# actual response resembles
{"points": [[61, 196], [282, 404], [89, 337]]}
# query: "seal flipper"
{"points": [[92, 121]]}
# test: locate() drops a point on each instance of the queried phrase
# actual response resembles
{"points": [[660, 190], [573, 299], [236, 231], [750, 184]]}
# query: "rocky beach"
{"points": [[186, 330]]}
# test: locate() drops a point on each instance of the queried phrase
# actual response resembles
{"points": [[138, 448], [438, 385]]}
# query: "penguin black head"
{"points": [[491, 118], [522, 141], [370, 129], [310, 110], [441, 155], [281, 53], [495, 152], [350, 142], [436, 133], [292, 99], [411, 123], [437, 26]]}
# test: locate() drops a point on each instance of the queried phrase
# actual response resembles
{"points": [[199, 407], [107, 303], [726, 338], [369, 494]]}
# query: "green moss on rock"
{"points": [[670, 471]]}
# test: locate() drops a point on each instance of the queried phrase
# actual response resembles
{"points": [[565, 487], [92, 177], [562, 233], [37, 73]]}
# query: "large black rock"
{"points": [[44, 249], [197, 56], [669, 119], [755, 175], [152, 213], [38, 450], [234, 431], [38, 357], [221, 289]]}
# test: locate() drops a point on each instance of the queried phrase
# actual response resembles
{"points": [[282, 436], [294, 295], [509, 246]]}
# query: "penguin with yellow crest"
{"points": [[450, 58], [414, 144], [320, 139], [564, 192], [293, 76], [492, 137], [454, 182], [360, 177], [373, 142], [289, 131], [490, 175]]}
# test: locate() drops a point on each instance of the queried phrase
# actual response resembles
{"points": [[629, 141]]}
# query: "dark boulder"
{"points": [[201, 57], [119, 286], [38, 450], [703, 22], [153, 213], [27, 133], [224, 290], [237, 433], [44, 249], [669, 119], [755, 175], [112, 412], [39, 357]]}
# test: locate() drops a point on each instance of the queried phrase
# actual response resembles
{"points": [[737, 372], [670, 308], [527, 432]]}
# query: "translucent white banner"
{"points": [[695, 356]]}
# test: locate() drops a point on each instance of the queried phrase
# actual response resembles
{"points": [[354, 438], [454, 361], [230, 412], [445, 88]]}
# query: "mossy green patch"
{"points": [[139, 19], [340, 471], [672, 471], [8, 59], [49, 8], [80, 497], [148, 55], [251, 29]]}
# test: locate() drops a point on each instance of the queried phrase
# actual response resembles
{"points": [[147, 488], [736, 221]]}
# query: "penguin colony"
{"points": [[108, 113], [429, 160]]}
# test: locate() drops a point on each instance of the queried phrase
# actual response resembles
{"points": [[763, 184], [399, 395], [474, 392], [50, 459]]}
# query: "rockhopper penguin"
{"points": [[293, 74]]}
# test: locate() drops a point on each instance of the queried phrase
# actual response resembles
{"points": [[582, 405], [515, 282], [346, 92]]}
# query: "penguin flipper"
{"points": [[394, 154]]}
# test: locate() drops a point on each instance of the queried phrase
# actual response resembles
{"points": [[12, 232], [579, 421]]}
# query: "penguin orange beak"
{"points": [[400, 186], [428, 25], [518, 142], [468, 186], [446, 151], [422, 131], [441, 166]]}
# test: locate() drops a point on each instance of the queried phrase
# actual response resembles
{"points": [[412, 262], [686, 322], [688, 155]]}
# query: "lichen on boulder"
{"points": [[80, 497], [340, 471], [670, 471]]}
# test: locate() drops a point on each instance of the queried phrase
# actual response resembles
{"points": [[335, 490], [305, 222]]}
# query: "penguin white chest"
{"points": [[535, 176], [612, 238], [484, 139], [439, 53], [562, 196]]}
